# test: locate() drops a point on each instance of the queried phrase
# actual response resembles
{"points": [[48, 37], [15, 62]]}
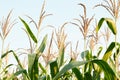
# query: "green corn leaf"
{"points": [[108, 52], [35, 70], [99, 51], [61, 57], [85, 55], [42, 68], [77, 73], [96, 76], [54, 68], [108, 72], [29, 30], [87, 76], [100, 24], [16, 74], [111, 24], [16, 57], [18, 61], [68, 67], [33, 66], [113, 66], [31, 60], [42, 45], [6, 68]]}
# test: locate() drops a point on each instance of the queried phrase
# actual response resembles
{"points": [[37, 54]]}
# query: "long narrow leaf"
{"points": [[100, 24], [68, 67], [16, 57], [108, 52], [108, 72], [77, 73], [111, 24], [42, 45], [16, 74], [61, 57], [31, 60], [6, 68], [42, 68], [29, 30]]}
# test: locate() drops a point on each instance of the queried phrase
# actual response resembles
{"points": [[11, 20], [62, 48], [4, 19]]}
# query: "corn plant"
{"points": [[6, 25], [55, 66], [113, 7]]}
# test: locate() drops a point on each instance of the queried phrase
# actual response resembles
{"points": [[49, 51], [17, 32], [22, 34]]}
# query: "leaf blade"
{"points": [[29, 30]]}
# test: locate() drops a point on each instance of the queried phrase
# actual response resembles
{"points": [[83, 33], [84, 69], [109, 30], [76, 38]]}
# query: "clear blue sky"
{"points": [[62, 10]]}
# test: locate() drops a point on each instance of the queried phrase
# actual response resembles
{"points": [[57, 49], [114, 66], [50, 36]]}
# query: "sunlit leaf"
{"points": [[68, 67], [108, 72], [29, 30], [111, 24], [31, 60], [108, 52], [42, 45]]}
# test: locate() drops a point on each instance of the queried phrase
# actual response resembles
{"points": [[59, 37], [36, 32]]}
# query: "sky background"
{"points": [[62, 10]]}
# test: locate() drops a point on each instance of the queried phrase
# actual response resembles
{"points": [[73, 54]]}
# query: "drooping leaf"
{"points": [[17, 73], [108, 72], [108, 52], [6, 68], [100, 24], [68, 67], [29, 30], [111, 24], [16, 57]]}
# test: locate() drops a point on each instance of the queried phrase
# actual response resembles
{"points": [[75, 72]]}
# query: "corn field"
{"points": [[52, 56]]}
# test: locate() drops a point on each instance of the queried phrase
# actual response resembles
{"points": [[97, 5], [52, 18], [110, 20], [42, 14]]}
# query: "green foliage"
{"points": [[68, 67], [29, 30], [111, 24], [54, 68], [42, 46], [90, 67]]}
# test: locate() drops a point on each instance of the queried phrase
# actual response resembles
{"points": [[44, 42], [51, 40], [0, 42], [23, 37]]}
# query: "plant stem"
{"points": [[2, 51], [84, 54]]}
